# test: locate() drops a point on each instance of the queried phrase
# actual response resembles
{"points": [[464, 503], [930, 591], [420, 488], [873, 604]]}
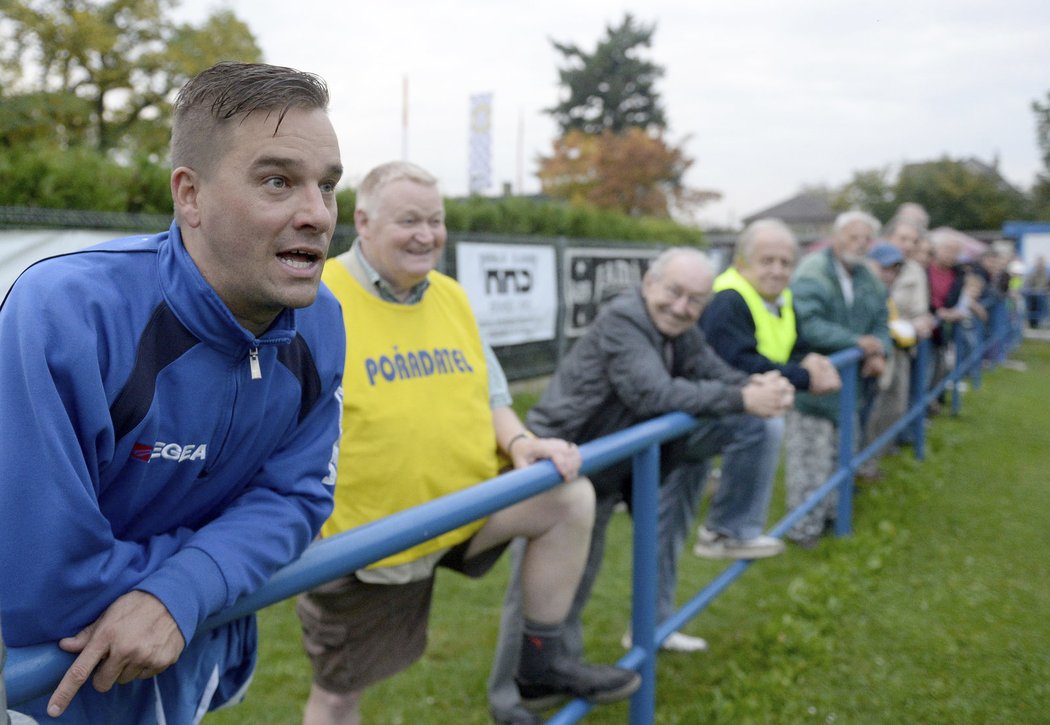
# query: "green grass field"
{"points": [[934, 611]]}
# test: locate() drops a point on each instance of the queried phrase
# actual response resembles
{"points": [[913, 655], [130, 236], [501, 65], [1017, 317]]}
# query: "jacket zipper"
{"points": [[253, 362]]}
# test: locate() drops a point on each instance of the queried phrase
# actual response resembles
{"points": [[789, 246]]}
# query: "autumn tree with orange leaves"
{"points": [[633, 172]]}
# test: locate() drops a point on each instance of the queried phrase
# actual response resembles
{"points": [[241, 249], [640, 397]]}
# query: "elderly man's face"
{"points": [[676, 297], [851, 242], [906, 238], [404, 236], [888, 275], [769, 263]]}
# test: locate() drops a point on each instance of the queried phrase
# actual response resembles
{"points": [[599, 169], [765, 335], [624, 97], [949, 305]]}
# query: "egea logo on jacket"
{"points": [[170, 451]]}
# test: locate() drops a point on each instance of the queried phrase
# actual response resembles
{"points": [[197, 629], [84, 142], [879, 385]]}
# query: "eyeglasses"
{"points": [[694, 302]]}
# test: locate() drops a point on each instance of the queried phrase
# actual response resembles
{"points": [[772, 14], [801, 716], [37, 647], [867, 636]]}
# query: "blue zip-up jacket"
{"points": [[137, 449]]}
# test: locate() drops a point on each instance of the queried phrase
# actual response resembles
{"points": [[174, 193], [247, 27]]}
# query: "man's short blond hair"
{"points": [[742, 252], [384, 174]]}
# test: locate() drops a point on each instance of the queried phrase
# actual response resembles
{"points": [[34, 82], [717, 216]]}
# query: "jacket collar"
{"points": [[201, 310]]}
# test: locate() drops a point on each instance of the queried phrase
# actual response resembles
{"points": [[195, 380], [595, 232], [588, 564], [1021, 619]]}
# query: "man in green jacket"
{"points": [[840, 304]]}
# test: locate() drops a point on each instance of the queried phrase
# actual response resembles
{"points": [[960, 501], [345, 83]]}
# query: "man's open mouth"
{"points": [[299, 258]]}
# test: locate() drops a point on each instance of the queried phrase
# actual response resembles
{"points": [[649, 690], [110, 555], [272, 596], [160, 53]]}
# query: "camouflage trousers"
{"points": [[810, 457]]}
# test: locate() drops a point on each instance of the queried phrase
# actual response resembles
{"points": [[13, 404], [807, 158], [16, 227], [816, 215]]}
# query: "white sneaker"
{"points": [[675, 642], [713, 545]]}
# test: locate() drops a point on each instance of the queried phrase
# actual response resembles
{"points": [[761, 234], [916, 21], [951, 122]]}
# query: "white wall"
{"points": [[19, 248]]}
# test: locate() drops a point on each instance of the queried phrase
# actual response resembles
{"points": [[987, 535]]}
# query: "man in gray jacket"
{"points": [[642, 357]]}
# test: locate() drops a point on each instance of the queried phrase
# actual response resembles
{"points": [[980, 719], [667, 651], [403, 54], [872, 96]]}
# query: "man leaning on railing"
{"points": [[642, 357], [426, 414], [840, 304]]}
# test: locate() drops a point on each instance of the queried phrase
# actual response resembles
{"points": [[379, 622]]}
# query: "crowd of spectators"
{"points": [[303, 410]]}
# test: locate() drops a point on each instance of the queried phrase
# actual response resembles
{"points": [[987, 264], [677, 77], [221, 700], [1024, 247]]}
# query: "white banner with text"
{"points": [[512, 289]]}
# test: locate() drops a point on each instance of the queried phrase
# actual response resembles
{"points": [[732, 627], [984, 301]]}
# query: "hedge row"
{"points": [[82, 179]]}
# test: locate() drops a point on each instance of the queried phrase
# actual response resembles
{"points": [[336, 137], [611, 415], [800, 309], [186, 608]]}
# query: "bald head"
{"points": [[676, 288]]}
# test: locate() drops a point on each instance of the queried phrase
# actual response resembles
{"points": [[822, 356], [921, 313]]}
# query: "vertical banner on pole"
{"points": [[480, 171], [404, 118]]}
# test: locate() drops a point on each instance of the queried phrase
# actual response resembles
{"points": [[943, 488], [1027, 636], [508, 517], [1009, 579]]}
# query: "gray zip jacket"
{"points": [[616, 375]]}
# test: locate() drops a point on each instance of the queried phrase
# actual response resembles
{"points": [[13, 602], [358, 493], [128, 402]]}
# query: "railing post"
{"points": [[918, 397], [956, 375], [1019, 319], [1000, 331], [645, 506], [847, 415], [982, 338]]}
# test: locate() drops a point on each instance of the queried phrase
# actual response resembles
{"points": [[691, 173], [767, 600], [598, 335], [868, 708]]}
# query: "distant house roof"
{"points": [[804, 208], [979, 167]]}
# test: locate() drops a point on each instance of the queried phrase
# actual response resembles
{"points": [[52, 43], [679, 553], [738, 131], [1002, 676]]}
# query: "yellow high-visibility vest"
{"points": [[775, 335], [417, 423]]}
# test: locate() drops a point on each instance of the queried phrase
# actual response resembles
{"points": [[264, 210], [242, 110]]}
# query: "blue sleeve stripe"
{"points": [[300, 361]]}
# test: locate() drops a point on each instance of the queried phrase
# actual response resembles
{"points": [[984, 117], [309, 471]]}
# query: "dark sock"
{"points": [[540, 646]]}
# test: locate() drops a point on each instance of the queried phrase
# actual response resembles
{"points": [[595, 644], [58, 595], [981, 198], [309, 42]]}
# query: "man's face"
{"points": [[851, 243], [888, 275], [923, 251], [404, 235], [905, 237], [263, 214], [769, 264], [676, 297]]}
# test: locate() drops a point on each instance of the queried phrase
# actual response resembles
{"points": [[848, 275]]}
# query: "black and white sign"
{"points": [[511, 288], [594, 275]]}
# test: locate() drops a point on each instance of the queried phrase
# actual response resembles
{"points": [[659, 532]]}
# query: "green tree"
{"points": [[82, 178], [102, 74], [612, 152], [612, 88], [1041, 189], [871, 190], [963, 194]]}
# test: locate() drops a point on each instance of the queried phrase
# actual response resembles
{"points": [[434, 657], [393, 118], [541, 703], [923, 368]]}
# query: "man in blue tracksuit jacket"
{"points": [[171, 409]]}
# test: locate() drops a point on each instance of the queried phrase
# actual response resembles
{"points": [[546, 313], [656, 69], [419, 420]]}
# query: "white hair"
{"points": [[656, 269], [856, 215], [744, 242]]}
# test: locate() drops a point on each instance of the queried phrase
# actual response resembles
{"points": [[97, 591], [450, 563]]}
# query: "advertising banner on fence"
{"points": [[19, 248], [511, 288], [593, 275]]}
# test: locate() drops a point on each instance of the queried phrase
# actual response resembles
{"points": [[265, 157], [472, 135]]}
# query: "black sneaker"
{"points": [[568, 678]]}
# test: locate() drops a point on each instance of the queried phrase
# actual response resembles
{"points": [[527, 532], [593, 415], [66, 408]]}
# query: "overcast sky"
{"points": [[772, 95]]}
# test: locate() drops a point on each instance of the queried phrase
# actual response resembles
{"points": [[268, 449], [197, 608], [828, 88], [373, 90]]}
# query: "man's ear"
{"points": [[360, 221], [185, 190]]}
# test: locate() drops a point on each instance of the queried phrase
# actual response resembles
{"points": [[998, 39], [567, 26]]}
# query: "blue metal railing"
{"points": [[33, 671]]}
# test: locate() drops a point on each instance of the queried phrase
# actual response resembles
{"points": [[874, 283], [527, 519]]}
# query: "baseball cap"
{"points": [[886, 255]]}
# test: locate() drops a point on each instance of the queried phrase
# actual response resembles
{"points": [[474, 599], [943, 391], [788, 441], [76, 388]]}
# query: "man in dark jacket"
{"points": [[645, 356]]}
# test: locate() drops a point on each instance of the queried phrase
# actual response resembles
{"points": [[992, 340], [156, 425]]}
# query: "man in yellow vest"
{"points": [[751, 321], [426, 413]]}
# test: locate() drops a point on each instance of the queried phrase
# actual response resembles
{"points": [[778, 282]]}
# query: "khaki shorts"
{"points": [[357, 634]]}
